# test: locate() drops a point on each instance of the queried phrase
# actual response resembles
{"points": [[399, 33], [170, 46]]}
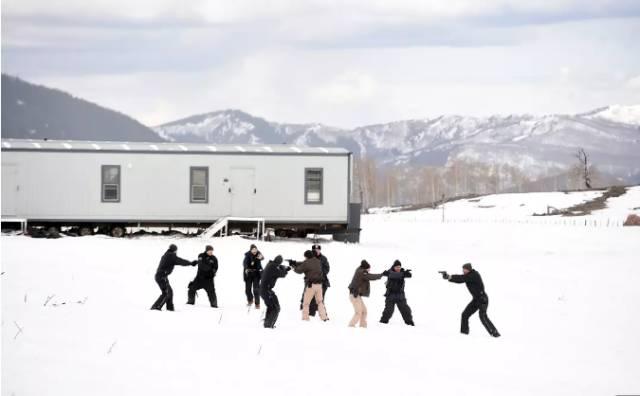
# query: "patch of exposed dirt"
{"points": [[598, 203]]}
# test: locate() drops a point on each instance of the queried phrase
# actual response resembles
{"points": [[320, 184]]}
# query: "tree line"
{"points": [[381, 184]]}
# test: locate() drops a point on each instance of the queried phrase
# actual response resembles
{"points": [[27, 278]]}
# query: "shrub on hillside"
{"points": [[632, 220]]}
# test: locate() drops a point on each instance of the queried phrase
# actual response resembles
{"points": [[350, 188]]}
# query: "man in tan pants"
{"points": [[313, 277], [310, 292], [358, 289], [360, 311]]}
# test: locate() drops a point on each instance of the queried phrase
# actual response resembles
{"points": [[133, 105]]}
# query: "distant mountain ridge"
{"points": [[538, 145], [36, 112]]}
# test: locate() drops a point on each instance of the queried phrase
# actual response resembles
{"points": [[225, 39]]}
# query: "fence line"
{"points": [[601, 222]]}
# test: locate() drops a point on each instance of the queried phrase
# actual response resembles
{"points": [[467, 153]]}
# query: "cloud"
{"points": [[344, 63], [345, 89], [634, 83]]}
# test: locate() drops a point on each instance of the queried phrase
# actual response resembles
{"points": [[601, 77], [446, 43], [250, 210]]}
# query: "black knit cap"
{"points": [[173, 248], [397, 263], [252, 246], [364, 264], [308, 254], [209, 247], [278, 259], [467, 266]]}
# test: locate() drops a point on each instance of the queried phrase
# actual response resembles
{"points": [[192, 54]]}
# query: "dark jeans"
{"points": [[313, 306], [273, 308], [251, 289], [207, 285], [403, 307], [167, 293], [477, 304]]}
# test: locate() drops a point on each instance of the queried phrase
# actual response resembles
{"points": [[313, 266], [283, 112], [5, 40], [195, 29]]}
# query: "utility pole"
{"points": [[443, 208]]}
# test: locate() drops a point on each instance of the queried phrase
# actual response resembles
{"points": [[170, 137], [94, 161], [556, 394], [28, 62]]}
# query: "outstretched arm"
{"points": [[299, 269], [282, 271], [372, 277], [181, 261], [458, 278]]}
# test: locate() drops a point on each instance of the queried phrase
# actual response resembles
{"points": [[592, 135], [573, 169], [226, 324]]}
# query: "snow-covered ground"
{"points": [[566, 300], [520, 208], [622, 206]]}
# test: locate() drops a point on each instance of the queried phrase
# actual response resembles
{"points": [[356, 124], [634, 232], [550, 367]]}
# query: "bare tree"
{"points": [[585, 168], [365, 175]]}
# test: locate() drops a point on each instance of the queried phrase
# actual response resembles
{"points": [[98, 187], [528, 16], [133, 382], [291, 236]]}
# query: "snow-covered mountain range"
{"points": [[538, 145]]}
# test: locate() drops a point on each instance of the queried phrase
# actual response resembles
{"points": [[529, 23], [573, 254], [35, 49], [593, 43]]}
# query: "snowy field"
{"points": [[519, 208], [566, 300]]}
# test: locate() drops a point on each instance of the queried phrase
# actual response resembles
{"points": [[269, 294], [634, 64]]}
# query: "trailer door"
{"points": [[243, 192], [10, 189]]}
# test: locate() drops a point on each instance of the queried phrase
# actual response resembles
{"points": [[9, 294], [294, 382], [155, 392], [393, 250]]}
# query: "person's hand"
{"points": [[194, 263], [407, 270], [385, 273]]}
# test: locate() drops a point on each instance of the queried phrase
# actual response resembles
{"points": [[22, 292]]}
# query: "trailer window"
{"points": [[199, 186], [313, 186], [110, 183]]}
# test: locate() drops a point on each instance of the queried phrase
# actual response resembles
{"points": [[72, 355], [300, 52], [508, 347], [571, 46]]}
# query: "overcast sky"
{"points": [[340, 63]]}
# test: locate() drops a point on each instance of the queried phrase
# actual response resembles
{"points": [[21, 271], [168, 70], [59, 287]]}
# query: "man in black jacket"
{"points": [[207, 268], [252, 265], [313, 306], [167, 262], [480, 300], [270, 275], [395, 294]]}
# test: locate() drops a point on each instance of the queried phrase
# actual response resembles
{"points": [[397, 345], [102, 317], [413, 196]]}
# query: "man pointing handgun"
{"points": [[480, 300]]}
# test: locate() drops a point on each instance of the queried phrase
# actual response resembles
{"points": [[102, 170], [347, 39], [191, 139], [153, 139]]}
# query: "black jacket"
{"points": [[252, 265], [168, 261], [270, 275], [325, 270], [473, 280], [207, 266], [395, 282]]}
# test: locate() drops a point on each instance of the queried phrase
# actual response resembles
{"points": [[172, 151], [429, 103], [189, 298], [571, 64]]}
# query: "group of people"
{"points": [[260, 282]]}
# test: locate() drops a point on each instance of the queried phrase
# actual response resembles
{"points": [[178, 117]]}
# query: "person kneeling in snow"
{"points": [[207, 268], [167, 262], [270, 275], [480, 299], [360, 287], [395, 294]]}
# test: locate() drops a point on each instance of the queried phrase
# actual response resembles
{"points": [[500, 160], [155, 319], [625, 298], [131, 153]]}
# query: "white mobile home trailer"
{"points": [[115, 184]]}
